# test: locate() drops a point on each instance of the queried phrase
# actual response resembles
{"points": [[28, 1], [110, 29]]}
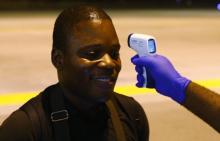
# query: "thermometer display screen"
{"points": [[151, 46]]}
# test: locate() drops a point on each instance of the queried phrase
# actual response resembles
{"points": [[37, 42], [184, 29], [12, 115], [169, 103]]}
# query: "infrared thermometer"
{"points": [[144, 45]]}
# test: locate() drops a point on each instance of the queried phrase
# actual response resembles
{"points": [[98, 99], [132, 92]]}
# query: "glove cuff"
{"points": [[180, 89]]}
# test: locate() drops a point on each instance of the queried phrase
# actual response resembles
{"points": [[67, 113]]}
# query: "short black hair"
{"points": [[68, 18]]}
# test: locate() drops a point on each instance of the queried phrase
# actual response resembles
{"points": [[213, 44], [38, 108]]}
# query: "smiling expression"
{"points": [[91, 62]]}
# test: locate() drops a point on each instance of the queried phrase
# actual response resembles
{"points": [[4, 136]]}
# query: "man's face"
{"points": [[91, 61]]}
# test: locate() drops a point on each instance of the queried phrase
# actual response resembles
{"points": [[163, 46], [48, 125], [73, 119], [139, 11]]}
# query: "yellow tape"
{"points": [[16, 98], [20, 98], [209, 83], [132, 90]]}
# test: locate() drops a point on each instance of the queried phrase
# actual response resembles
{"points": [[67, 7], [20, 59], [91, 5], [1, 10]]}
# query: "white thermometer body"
{"points": [[144, 45]]}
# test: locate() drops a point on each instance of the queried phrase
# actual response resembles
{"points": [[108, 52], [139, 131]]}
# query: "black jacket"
{"points": [[32, 121]]}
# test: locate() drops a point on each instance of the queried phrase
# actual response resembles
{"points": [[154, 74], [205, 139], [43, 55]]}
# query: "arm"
{"points": [[204, 103], [167, 81]]}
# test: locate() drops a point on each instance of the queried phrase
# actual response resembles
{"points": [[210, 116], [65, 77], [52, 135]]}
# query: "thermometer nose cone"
{"points": [[129, 37]]}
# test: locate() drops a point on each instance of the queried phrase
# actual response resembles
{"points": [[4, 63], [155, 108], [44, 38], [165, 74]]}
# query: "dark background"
{"points": [[111, 4]]}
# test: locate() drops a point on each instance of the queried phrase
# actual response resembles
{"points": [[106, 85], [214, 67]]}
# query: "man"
{"points": [[167, 81], [82, 106]]}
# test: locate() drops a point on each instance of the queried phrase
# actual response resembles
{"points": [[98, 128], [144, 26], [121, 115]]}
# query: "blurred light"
{"points": [[218, 6], [178, 1]]}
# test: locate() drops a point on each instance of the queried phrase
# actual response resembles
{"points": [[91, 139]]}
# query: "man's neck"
{"points": [[82, 104]]}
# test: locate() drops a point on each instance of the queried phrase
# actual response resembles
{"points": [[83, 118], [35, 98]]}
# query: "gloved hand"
{"points": [[162, 76]]}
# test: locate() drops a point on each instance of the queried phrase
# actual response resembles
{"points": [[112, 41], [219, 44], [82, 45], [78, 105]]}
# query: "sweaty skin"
{"points": [[93, 58]]}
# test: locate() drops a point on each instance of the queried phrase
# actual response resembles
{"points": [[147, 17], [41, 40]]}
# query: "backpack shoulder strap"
{"points": [[44, 121], [136, 114], [128, 104], [34, 118], [59, 115], [119, 131], [130, 107], [40, 124]]}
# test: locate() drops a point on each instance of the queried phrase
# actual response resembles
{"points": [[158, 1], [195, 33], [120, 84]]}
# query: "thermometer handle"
{"points": [[145, 77], [144, 72], [144, 45]]}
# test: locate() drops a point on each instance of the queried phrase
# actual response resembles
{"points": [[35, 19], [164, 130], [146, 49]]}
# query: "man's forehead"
{"points": [[93, 26], [94, 33]]}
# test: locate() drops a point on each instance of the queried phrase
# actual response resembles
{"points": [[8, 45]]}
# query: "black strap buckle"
{"points": [[59, 115]]}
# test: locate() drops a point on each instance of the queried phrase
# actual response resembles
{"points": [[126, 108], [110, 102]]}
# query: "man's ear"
{"points": [[57, 58]]}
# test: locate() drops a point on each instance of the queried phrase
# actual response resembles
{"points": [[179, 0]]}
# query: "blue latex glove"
{"points": [[162, 76]]}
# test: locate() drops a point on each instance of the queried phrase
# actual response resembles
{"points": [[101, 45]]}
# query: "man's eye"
{"points": [[115, 55], [92, 55]]}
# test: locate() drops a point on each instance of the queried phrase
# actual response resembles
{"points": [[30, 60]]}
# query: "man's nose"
{"points": [[107, 62]]}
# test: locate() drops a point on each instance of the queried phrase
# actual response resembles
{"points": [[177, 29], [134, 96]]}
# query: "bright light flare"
{"points": [[218, 6]]}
